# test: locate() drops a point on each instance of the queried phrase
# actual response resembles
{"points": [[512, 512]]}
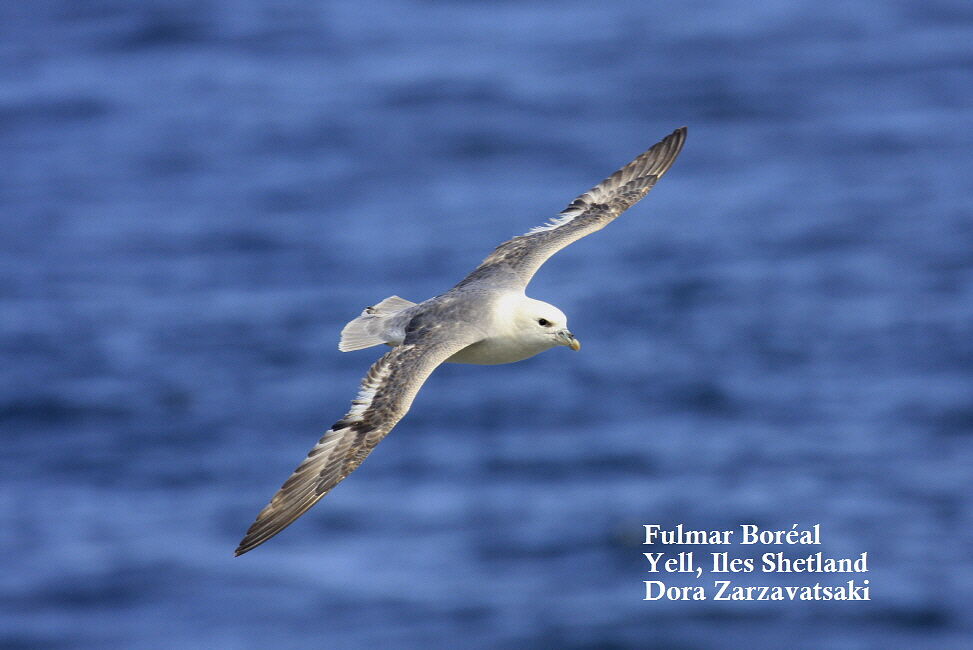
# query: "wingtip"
{"points": [[677, 135], [255, 538], [664, 153]]}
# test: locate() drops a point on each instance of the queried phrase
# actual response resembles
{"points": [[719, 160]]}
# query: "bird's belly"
{"points": [[491, 352]]}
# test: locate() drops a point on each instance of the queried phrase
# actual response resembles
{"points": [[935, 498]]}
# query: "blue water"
{"points": [[196, 196]]}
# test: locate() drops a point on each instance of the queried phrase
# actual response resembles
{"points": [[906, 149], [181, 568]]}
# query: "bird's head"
{"points": [[545, 322]]}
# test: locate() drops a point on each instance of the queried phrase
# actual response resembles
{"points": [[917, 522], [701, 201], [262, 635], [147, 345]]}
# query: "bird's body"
{"points": [[485, 319], [503, 319]]}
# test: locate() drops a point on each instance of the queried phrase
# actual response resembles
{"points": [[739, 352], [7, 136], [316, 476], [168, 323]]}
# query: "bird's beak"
{"points": [[567, 338]]}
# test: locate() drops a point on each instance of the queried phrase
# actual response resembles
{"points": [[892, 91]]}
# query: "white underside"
{"points": [[491, 352]]}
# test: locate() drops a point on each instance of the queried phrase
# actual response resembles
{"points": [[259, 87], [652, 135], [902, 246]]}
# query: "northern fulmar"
{"points": [[485, 319]]}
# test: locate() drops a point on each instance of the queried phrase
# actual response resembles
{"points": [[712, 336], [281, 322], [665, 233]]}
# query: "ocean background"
{"points": [[195, 197]]}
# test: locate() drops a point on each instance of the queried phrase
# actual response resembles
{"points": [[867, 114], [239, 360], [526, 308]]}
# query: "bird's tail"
{"points": [[369, 328]]}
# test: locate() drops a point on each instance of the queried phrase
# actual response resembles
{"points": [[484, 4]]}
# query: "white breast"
{"points": [[493, 351]]}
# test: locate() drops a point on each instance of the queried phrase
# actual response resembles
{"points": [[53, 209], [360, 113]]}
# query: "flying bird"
{"points": [[485, 319]]}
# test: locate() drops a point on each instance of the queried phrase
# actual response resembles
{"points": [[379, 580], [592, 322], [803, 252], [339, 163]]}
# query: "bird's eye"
{"points": [[543, 321]]}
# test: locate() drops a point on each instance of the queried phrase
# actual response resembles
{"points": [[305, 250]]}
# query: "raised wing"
{"points": [[385, 396], [590, 212]]}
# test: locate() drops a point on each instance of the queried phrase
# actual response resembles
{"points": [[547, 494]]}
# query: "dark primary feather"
{"points": [[590, 212]]}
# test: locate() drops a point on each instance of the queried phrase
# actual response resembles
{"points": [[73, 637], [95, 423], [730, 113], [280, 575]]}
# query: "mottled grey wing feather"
{"points": [[386, 394], [588, 213]]}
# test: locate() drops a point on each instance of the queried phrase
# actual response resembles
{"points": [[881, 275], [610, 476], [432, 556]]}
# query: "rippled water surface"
{"points": [[196, 196]]}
